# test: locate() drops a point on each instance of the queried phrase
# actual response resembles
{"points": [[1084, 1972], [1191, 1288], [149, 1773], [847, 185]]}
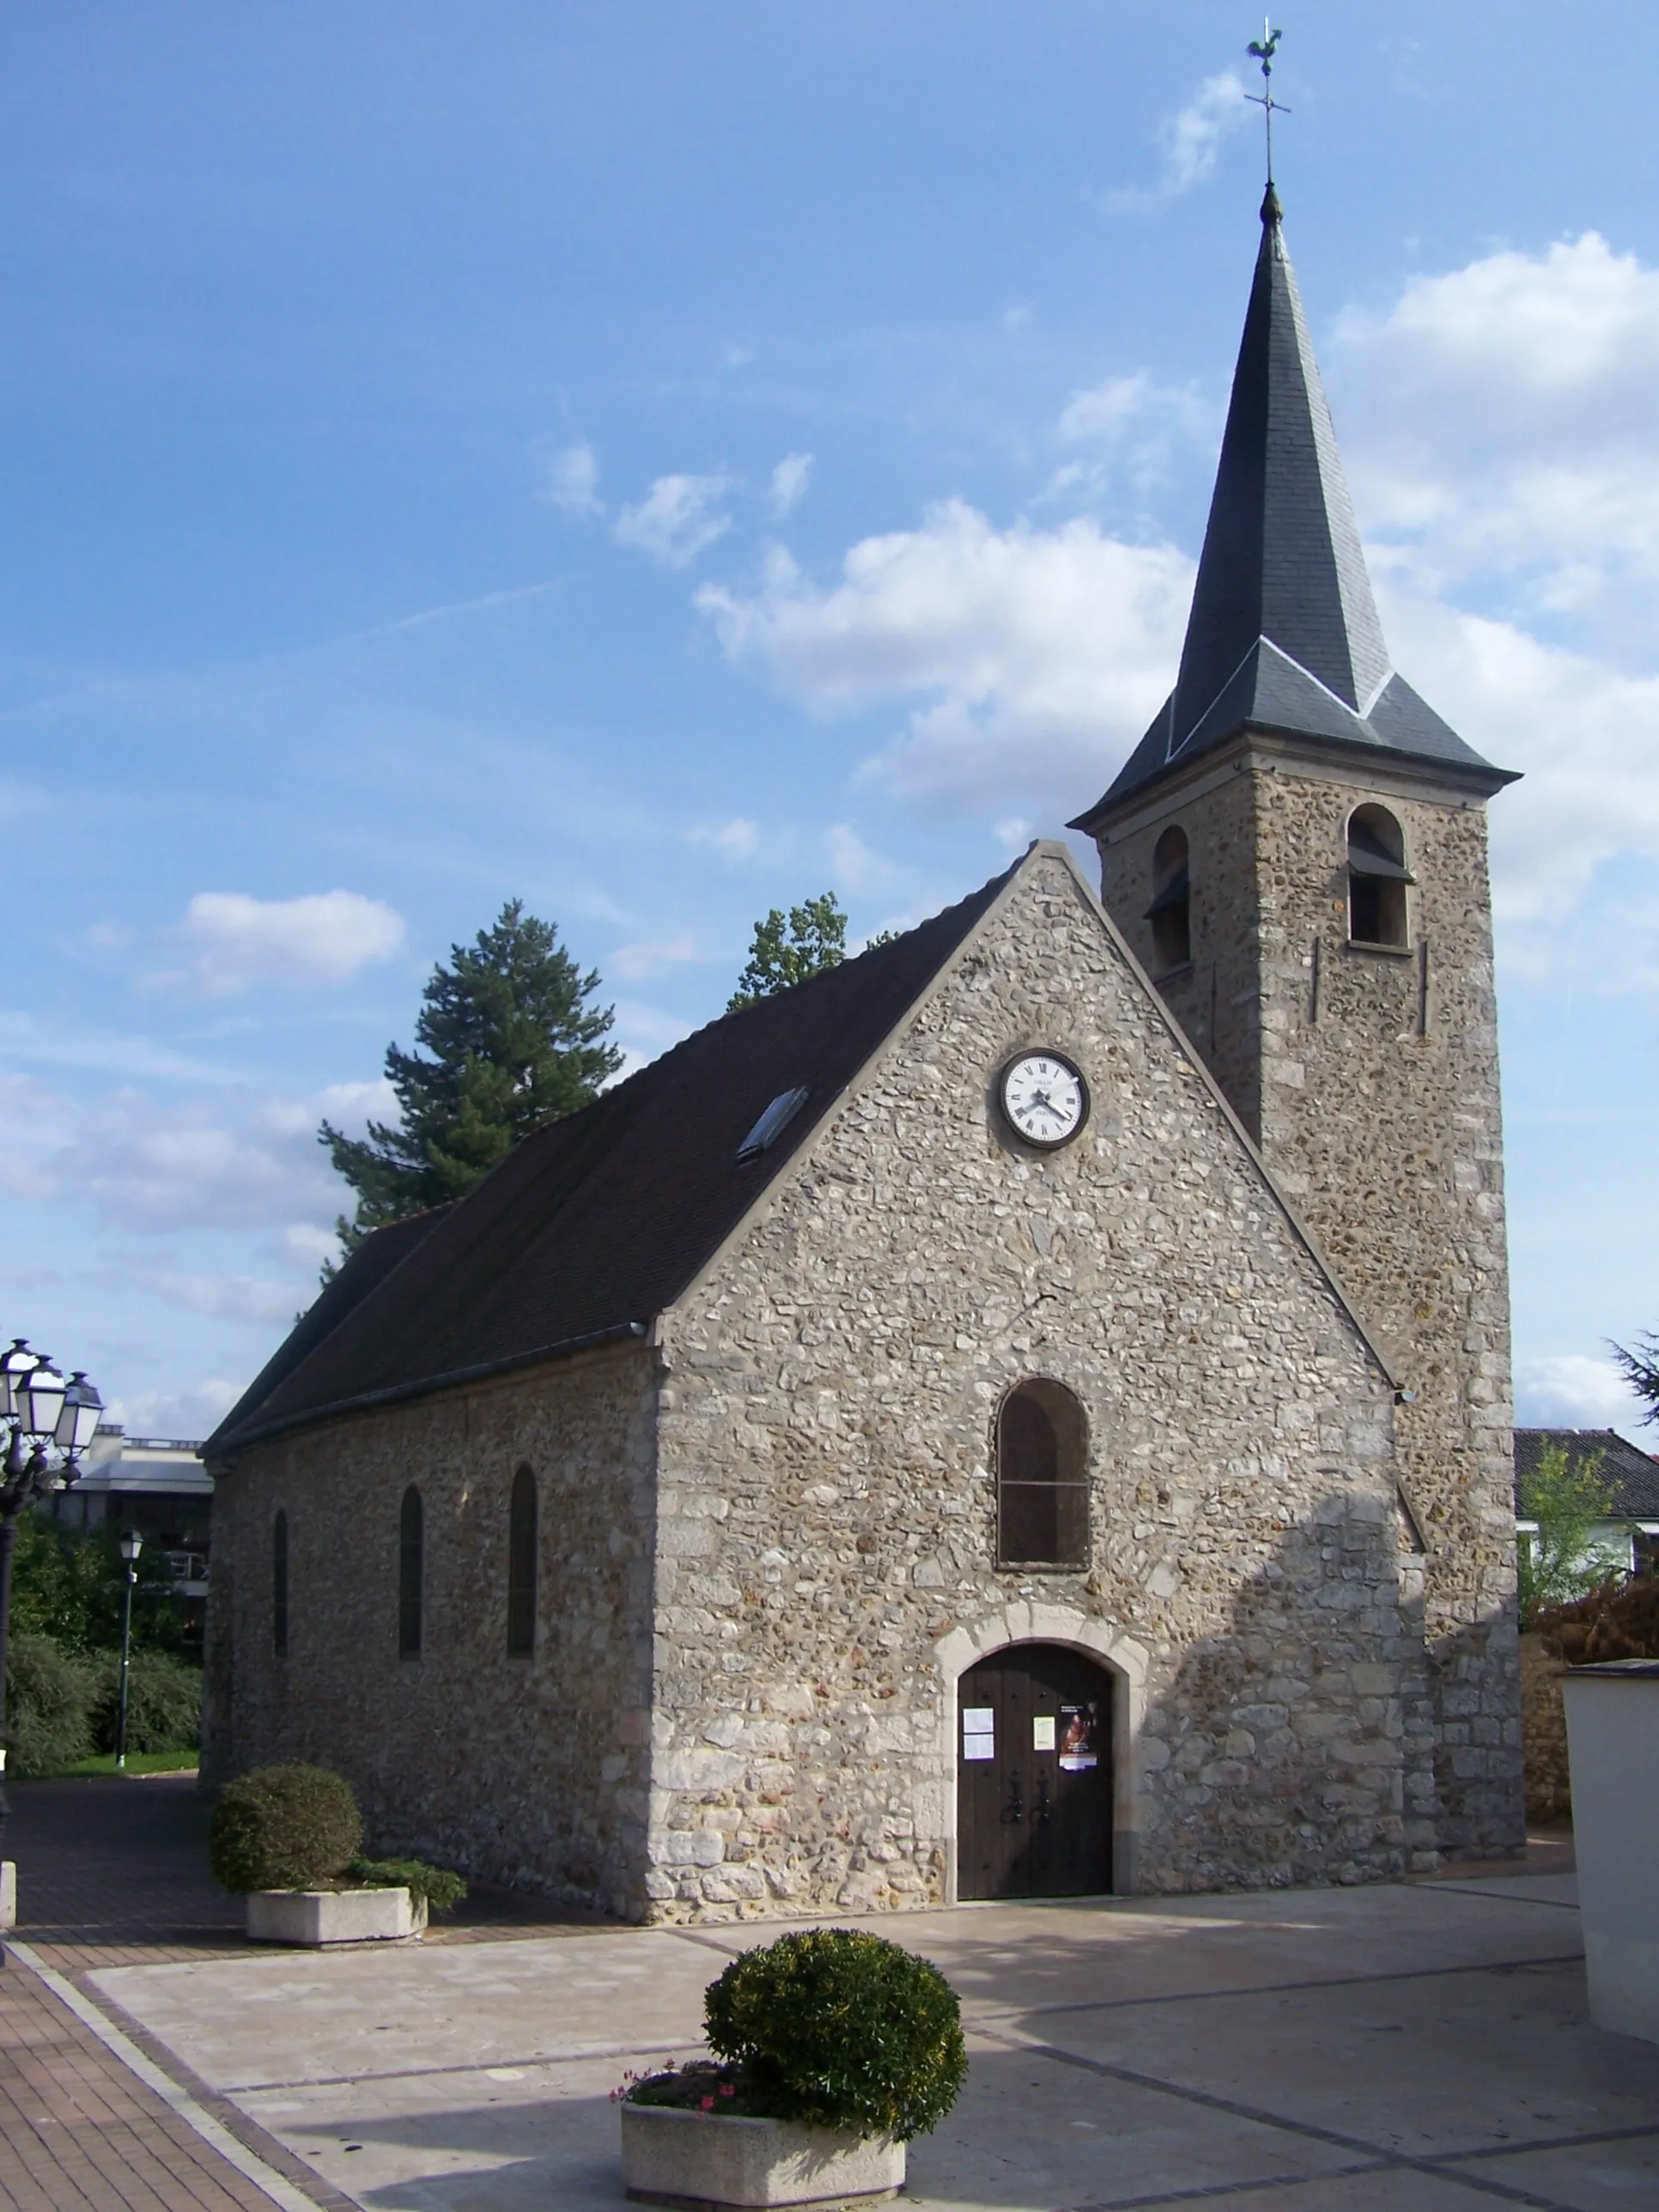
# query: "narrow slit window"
{"points": [[521, 1518], [1170, 912], [1042, 1486], [412, 1568], [1378, 876], [279, 1585]]}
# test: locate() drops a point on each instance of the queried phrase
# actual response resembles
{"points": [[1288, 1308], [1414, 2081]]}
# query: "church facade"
{"points": [[1023, 1413]]}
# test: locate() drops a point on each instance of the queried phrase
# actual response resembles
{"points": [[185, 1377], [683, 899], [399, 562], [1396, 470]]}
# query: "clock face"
{"points": [[1045, 1098]]}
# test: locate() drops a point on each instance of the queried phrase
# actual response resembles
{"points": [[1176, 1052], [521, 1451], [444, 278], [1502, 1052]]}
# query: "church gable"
{"points": [[828, 1444]]}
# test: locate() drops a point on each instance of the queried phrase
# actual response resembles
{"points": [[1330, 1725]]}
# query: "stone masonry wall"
{"points": [[826, 1511], [521, 1770], [1371, 1080]]}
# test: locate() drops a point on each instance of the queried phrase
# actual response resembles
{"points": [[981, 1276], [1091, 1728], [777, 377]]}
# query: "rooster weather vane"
{"points": [[1263, 50]]}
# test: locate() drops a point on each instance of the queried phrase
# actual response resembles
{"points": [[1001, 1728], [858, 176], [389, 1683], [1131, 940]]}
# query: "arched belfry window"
{"points": [[1171, 910], [1042, 1485], [1378, 876], [411, 1569], [279, 1585], [521, 1566]]}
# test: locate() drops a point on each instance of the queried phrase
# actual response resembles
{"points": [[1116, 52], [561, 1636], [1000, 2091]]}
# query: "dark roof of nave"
{"points": [[1624, 1468], [1284, 633], [596, 1223]]}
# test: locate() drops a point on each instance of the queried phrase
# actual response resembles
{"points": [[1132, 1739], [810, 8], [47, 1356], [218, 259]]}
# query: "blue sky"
{"points": [[661, 461]]}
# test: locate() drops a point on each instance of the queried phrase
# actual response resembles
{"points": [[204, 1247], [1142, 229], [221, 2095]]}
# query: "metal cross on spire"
{"points": [[1264, 49]]}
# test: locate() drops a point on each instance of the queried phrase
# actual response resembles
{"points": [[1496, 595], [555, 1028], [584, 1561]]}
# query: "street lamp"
{"points": [[46, 1425], [131, 1544]]}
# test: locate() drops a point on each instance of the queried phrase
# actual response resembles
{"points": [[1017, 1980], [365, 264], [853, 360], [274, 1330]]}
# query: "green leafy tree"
{"points": [[785, 952], [1567, 1497], [67, 1584], [509, 1042]]}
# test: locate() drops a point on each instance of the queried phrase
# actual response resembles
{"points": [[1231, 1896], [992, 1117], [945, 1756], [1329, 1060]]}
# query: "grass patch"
{"points": [[138, 1762]]}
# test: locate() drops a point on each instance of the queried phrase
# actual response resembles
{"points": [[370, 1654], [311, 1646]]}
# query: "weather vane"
{"points": [[1264, 49]]}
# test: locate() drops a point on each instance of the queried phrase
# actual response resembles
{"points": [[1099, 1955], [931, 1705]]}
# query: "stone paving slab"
{"points": [[1374, 2050]]}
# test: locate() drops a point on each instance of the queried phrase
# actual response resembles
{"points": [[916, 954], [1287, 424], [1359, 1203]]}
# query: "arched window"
{"points": [[279, 1585], [411, 1564], [1042, 1485], [1378, 876], [1171, 910], [521, 1566]]}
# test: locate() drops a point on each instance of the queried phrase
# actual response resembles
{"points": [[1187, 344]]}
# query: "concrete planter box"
{"points": [[1612, 1749], [694, 2160], [333, 1915]]}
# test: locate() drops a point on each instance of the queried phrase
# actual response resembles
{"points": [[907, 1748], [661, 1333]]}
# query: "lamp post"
{"points": [[46, 1425], [131, 1544]]}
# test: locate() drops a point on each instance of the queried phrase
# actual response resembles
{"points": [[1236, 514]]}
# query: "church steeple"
{"points": [[1284, 635]]}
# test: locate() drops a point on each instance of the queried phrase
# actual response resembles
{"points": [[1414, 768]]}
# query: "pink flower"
{"points": [[728, 2089], [708, 2104]]}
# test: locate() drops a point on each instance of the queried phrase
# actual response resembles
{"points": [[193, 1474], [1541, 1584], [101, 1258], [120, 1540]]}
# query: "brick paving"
{"points": [[113, 1873], [79, 2132]]}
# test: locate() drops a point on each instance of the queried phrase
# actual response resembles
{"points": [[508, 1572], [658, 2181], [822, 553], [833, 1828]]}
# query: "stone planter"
{"points": [[1612, 1745], [694, 2160], [333, 1915]]}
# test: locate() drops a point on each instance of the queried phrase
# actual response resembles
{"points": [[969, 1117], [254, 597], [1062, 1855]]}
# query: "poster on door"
{"points": [[1079, 1737], [979, 1732]]}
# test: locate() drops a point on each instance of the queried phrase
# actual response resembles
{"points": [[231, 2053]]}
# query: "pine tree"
{"points": [[514, 1044], [1642, 1372], [783, 954]]}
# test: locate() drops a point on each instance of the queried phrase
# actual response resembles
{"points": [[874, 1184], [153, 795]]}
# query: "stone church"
{"points": [[1025, 1412]]}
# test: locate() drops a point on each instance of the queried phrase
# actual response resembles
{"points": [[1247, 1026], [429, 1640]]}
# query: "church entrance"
{"points": [[1034, 1775]]}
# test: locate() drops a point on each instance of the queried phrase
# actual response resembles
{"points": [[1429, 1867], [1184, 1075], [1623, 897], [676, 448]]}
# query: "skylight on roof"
{"points": [[771, 1124]]}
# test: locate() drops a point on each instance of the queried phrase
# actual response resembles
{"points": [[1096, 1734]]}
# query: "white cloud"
{"points": [[192, 1413], [858, 871], [573, 480], [736, 839], [1133, 430], [1570, 1391], [1190, 142], [634, 962], [233, 943], [676, 520], [234, 1297], [789, 481], [1500, 427], [1585, 737], [1036, 656]]}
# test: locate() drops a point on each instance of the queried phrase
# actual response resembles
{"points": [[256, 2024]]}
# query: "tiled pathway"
{"points": [[1415, 2050]]}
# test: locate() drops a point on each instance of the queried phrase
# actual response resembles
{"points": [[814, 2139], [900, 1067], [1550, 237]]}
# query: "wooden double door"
{"points": [[1034, 1775]]}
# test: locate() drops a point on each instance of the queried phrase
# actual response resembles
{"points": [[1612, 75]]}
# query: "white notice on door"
{"points": [[1042, 1731], [979, 1732]]}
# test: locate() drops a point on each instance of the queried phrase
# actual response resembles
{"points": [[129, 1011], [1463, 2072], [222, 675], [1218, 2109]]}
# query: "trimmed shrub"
{"points": [[840, 2029], [164, 1702], [49, 1693], [284, 1827], [442, 1890]]}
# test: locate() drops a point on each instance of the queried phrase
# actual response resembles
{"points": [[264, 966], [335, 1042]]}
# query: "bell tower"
{"points": [[1296, 852]]}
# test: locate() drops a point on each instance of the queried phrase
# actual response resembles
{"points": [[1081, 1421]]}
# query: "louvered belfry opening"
{"points": [[521, 1521], [1042, 1489], [1171, 910], [411, 1569], [1378, 876]]}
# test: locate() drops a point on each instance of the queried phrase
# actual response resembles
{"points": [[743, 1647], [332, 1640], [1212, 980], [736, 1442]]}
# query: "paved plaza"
{"points": [[1421, 2049]]}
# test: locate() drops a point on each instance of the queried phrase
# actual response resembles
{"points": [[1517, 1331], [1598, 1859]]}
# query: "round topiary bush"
{"points": [[284, 1827], [840, 2029]]}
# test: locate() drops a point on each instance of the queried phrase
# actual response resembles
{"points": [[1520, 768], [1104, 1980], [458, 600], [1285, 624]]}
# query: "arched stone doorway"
{"points": [[1035, 1774]]}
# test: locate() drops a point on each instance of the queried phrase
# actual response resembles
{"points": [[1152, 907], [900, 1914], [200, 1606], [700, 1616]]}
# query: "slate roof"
{"points": [[596, 1223], [1284, 635], [1631, 1475]]}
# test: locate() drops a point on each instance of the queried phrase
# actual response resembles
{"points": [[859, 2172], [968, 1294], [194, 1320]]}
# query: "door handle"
{"points": [[1042, 1801], [1014, 1812]]}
